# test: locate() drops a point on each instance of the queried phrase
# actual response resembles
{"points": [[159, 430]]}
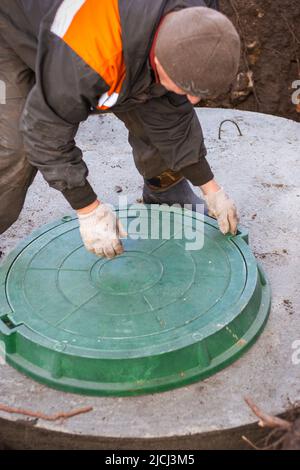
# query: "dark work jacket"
{"points": [[69, 87]]}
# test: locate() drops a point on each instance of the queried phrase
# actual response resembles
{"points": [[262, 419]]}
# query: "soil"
{"points": [[270, 61]]}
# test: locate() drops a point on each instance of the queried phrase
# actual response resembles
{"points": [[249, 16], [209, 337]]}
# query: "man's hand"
{"points": [[223, 209], [101, 230]]}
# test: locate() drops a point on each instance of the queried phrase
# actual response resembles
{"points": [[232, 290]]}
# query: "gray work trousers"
{"points": [[16, 174]]}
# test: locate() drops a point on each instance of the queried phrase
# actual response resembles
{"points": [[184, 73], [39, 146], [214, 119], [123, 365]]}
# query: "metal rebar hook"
{"points": [[233, 122]]}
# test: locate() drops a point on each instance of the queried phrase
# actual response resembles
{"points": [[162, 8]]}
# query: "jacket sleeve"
{"points": [[173, 127], [66, 90]]}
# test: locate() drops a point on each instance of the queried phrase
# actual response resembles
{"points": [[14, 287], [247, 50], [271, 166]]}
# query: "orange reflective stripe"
{"points": [[95, 35]]}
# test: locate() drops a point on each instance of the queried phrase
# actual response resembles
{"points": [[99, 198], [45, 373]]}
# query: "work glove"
{"points": [[101, 231], [221, 207]]}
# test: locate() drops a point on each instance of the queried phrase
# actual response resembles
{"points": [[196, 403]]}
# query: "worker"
{"points": [[149, 63]]}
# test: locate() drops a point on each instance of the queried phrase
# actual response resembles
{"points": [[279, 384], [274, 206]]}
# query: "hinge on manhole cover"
{"points": [[8, 322]]}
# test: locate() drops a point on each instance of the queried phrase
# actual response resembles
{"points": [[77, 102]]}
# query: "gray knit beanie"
{"points": [[199, 48]]}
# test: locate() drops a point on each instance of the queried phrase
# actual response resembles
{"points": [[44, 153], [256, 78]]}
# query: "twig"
{"points": [[271, 435], [291, 29], [272, 49], [43, 416], [250, 443], [268, 420], [296, 41], [271, 446]]}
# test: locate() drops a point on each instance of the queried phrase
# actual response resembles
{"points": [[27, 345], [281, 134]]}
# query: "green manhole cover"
{"points": [[158, 317]]}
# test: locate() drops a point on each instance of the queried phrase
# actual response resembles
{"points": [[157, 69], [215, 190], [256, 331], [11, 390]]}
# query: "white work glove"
{"points": [[224, 210], [101, 231]]}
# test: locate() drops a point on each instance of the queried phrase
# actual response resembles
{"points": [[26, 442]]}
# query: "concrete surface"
{"points": [[261, 170]]}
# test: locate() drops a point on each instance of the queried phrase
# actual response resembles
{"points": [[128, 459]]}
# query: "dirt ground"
{"points": [[270, 62]]}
